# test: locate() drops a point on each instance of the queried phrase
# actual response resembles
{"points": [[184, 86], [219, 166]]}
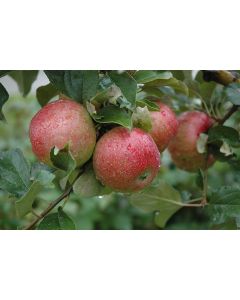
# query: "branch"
{"points": [[53, 204], [228, 114]]}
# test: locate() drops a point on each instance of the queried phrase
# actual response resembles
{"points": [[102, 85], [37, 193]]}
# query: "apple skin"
{"points": [[60, 123], [164, 126], [126, 160], [183, 147]]}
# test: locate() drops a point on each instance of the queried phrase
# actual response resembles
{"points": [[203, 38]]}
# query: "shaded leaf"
{"points": [[24, 80], [42, 180], [114, 114], [14, 172], [224, 204], [162, 198], [202, 143], [57, 79], [126, 83], [151, 105], [177, 85], [63, 159], [57, 221], [142, 118], [87, 185], [223, 134], [145, 76], [46, 93], [81, 85], [232, 92], [3, 98], [3, 73]]}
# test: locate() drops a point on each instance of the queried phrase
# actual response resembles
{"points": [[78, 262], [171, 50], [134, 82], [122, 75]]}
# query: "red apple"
{"points": [[126, 160], [164, 126], [60, 123], [183, 147]]}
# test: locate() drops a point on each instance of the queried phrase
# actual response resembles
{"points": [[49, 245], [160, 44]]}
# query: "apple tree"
{"points": [[123, 133]]}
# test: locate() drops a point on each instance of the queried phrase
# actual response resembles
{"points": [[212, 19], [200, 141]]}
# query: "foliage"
{"points": [[120, 98]]}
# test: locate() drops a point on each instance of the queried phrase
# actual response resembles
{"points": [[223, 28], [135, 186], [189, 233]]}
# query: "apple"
{"points": [[60, 123], [126, 160], [164, 126], [183, 147]]}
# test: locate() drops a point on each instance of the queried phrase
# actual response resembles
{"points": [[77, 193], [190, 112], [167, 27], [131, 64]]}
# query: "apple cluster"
{"points": [[124, 160]]}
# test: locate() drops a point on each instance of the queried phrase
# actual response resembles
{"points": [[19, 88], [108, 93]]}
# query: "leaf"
{"points": [[219, 134], [50, 222], [126, 83], [63, 159], [87, 185], [224, 204], [42, 180], [65, 222], [114, 114], [57, 221], [232, 92], [3, 73], [151, 105], [81, 85], [14, 173], [226, 149], [162, 198], [142, 118], [145, 76], [202, 143], [24, 80], [46, 93], [110, 94], [178, 85], [57, 79], [3, 98]]}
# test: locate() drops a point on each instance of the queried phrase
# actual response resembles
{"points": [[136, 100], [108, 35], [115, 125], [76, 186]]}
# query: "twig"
{"points": [[54, 203], [49, 208], [228, 114]]}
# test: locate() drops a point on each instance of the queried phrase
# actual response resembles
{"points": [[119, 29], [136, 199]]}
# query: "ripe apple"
{"points": [[60, 123], [183, 147], [164, 126], [126, 160]]}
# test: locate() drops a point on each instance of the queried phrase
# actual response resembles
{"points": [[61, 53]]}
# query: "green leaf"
{"points": [[3, 73], [65, 222], [151, 105], [14, 173], [148, 76], [41, 180], [24, 80], [81, 85], [142, 118], [50, 222], [178, 85], [232, 92], [87, 185], [219, 134], [57, 79], [126, 83], [57, 221], [63, 159], [110, 94], [224, 204], [162, 198], [114, 114], [202, 143], [3, 98], [46, 93]]}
